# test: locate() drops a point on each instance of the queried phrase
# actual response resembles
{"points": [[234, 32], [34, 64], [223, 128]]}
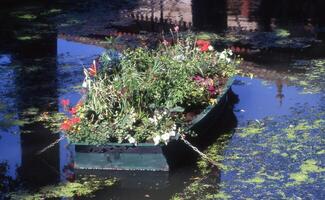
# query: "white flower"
{"points": [[222, 56], [131, 139], [172, 133], [84, 84], [179, 57], [156, 139], [230, 52], [210, 48], [154, 120], [159, 117], [165, 137]]}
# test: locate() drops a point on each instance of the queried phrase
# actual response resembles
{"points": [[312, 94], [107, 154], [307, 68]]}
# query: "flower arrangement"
{"points": [[146, 95]]}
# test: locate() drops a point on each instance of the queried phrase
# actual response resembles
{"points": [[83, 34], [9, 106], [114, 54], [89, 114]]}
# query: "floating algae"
{"points": [[83, 187]]}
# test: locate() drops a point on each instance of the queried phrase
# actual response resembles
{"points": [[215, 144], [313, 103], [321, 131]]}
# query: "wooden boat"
{"points": [[144, 156]]}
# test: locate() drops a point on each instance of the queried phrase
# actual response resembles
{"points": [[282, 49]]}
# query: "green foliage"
{"points": [[138, 97]]}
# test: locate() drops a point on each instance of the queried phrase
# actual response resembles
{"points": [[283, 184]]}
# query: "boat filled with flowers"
{"points": [[137, 101]]}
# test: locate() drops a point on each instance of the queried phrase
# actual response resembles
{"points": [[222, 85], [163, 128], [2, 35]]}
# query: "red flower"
{"points": [[73, 110], [204, 48], [93, 68], [74, 120], [203, 45], [65, 126], [65, 102]]}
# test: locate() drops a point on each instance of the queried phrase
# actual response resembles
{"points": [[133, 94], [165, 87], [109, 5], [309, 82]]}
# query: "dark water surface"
{"points": [[276, 150]]}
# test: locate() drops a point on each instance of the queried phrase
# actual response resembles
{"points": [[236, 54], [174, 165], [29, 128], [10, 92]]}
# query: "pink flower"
{"points": [[165, 42], [73, 110], [176, 29], [211, 90], [198, 79], [65, 102]]}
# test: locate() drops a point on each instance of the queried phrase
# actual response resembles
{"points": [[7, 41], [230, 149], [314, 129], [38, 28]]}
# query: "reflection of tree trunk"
{"points": [[279, 86], [40, 92], [36, 86], [209, 14]]}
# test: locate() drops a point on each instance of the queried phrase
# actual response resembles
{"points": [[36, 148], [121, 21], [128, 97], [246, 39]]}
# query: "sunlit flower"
{"points": [[204, 48], [172, 133], [203, 45], [210, 48], [131, 139], [65, 126], [153, 120], [212, 101], [156, 139], [165, 137], [93, 69]]}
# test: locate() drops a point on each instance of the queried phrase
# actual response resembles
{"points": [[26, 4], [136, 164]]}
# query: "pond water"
{"points": [[270, 142]]}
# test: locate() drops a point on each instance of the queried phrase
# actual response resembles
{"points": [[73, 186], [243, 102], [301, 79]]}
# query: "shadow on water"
{"points": [[38, 69]]}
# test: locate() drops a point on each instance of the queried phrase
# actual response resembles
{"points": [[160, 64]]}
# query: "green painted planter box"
{"points": [[114, 156], [144, 156]]}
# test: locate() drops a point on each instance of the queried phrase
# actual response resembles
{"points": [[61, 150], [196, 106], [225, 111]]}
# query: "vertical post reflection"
{"points": [[209, 15]]}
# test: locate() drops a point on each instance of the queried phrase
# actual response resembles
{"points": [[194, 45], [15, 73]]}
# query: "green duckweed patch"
{"points": [[312, 80], [282, 33], [28, 37], [83, 187], [252, 129], [27, 17], [255, 180], [293, 130], [289, 166]]}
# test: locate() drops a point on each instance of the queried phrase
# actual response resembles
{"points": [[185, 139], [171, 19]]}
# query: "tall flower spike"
{"points": [[93, 69]]}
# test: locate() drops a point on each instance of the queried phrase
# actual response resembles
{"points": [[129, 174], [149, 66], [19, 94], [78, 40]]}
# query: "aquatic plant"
{"points": [[262, 157], [312, 80], [86, 186], [143, 95]]}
